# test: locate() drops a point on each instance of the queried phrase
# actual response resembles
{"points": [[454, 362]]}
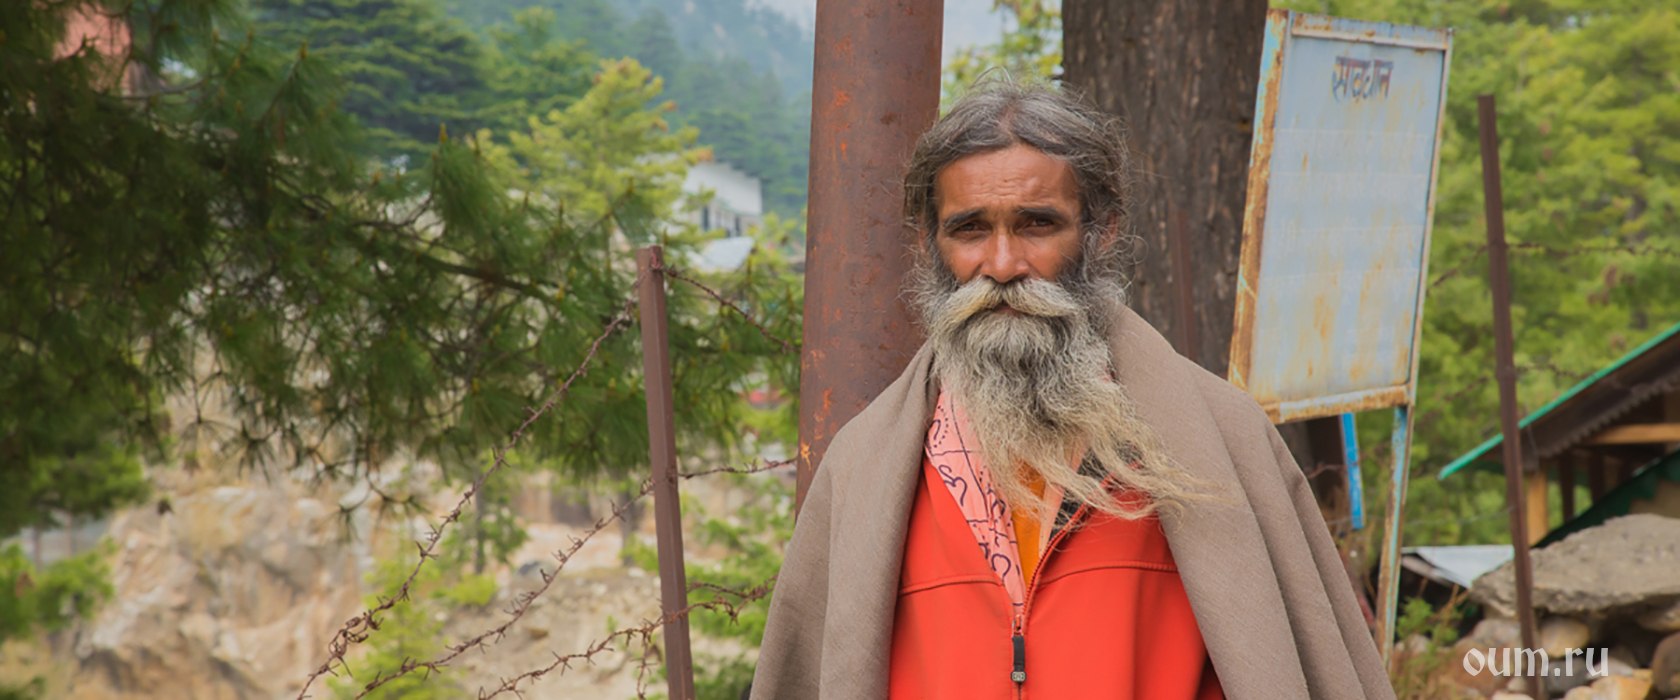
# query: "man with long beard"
{"points": [[1050, 502]]}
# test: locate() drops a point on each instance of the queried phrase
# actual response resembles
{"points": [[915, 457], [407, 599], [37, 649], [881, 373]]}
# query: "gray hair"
{"points": [[1000, 113]]}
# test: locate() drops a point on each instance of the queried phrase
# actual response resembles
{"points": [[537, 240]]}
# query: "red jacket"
{"points": [[1106, 615]]}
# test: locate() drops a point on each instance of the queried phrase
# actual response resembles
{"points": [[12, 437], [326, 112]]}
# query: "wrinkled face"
{"points": [[1017, 316], [1007, 215]]}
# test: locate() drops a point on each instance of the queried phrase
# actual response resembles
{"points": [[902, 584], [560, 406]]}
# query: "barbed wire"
{"points": [[730, 601], [357, 629], [643, 632], [523, 601], [678, 275]]}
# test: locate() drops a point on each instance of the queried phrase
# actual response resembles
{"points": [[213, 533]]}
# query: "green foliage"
{"points": [[1029, 49], [533, 71], [749, 123], [35, 688], [407, 67], [748, 95], [208, 231], [49, 599], [472, 591], [1586, 106], [752, 536], [493, 527], [1417, 669], [594, 155], [766, 40], [1586, 109], [410, 631], [34, 600]]}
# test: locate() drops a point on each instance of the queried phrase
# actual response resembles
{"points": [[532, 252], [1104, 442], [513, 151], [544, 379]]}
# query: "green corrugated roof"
{"points": [[1474, 456]]}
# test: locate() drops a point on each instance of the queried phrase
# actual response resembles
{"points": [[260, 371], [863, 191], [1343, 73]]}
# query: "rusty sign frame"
{"points": [[1283, 28]]}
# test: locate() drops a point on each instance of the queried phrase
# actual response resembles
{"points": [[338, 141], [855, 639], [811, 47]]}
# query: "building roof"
{"points": [[1587, 407], [1456, 565], [1619, 501]]}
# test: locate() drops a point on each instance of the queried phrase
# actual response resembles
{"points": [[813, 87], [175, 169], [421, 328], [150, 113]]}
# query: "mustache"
{"points": [[1031, 297]]}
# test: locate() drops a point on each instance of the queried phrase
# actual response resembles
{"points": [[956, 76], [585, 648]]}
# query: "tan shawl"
{"points": [[1264, 579]]}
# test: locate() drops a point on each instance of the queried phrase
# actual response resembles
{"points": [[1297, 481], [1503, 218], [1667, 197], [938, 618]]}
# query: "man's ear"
{"points": [[1110, 236], [924, 244]]}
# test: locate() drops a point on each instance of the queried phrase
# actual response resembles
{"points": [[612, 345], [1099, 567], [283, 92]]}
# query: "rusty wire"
{"points": [[522, 603], [644, 632], [675, 274], [357, 629]]}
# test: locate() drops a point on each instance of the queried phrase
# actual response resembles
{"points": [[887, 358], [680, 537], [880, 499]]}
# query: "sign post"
{"points": [[1335, 252]]}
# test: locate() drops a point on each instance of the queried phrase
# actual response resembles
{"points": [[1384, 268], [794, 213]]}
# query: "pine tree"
{"points": [[532, 70], [406, 67], [209, 234]]}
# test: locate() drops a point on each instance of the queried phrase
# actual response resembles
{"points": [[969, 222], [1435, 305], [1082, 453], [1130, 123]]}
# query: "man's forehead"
{"points": [[1014, 177]]}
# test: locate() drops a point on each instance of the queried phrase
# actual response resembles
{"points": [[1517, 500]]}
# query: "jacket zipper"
{"points": [[1018, 636]]}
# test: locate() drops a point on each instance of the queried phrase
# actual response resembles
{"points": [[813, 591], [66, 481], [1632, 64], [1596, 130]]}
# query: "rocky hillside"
{"points": [[231, 589]]}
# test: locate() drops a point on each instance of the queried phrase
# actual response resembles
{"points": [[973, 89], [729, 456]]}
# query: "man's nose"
{"points": [[1005, 260]]}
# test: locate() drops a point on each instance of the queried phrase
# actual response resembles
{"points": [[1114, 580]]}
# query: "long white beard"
{"points": [[1039, 392]]}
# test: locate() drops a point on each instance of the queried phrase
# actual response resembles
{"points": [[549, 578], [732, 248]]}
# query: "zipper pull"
{"points": [[1019, 673]]}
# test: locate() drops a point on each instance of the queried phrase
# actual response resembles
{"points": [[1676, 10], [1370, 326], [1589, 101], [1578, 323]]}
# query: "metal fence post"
{"points": [[1499, 278], [662, 456]]}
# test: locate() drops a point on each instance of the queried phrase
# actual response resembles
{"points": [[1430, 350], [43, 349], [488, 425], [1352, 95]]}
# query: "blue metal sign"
{"points": [[1336, 227]]}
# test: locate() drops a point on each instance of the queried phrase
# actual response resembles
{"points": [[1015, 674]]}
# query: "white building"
{"points": [[737, 204]]}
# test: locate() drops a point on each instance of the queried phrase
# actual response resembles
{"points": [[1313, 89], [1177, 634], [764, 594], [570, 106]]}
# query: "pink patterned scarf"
{"points": [[955, 455]]}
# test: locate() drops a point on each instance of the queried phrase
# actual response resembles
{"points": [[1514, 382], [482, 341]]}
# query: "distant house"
{"points": [[737, 204], [1619, 430]]}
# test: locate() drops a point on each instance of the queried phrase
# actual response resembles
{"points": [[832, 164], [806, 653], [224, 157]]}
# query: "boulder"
{"points": [[1640, 643], [1665, 666], [1496, 633], [1634, 687], [1483, 683], [1568, 673], [1663, 618], [1561, 635], [1619, 568]]}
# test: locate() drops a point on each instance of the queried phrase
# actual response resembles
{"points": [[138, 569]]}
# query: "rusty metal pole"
{"points": [[1499, 279], [662, 456], [875, 89]]}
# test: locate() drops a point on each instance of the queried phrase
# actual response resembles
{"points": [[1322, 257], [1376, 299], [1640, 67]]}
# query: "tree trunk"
{"points": [[1182, 75]]}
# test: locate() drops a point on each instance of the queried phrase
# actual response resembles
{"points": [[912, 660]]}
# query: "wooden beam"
{"points": [[1671, 412], [1637, 434], [1566, 484], [1534, 483], [1598, 476]]}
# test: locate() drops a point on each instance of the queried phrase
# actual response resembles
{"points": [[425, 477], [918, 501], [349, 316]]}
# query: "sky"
{"points": [[967, 22]]}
